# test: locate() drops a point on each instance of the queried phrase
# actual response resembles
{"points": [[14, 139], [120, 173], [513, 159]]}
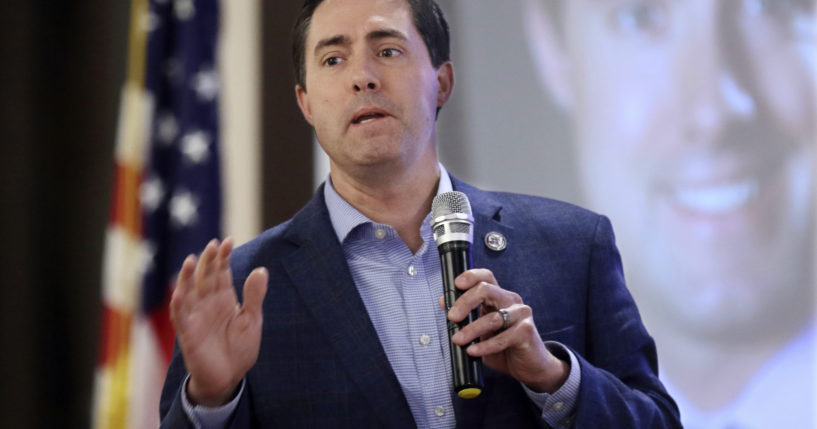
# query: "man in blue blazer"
{"points": [[329, 348]]}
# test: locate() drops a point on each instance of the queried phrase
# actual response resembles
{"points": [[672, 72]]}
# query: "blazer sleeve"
{"points": [[172, 412], [621, 385]]}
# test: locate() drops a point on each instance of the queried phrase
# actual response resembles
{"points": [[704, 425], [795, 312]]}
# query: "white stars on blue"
{"points": [[195, 146]]}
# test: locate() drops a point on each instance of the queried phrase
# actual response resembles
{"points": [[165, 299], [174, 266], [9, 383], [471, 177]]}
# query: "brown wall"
{"points": [[287, 138], [62, 64]]}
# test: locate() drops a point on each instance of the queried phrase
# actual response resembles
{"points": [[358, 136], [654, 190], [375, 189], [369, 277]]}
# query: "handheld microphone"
{"points": [[453, 226]]}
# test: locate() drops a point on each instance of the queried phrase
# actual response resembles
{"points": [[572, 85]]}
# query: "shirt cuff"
{"points": [[209, 417], [557, 408]]}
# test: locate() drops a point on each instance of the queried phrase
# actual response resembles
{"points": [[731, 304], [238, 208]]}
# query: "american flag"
{"points": [[166, 201]]}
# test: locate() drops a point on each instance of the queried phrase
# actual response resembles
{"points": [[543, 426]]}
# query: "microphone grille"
{"points": [[450, 202]]}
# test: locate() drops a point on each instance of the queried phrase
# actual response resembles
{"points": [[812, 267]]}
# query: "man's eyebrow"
{"points": [[385, 34], [331, 41]]}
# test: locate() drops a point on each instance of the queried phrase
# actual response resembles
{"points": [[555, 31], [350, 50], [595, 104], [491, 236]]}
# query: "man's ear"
{"points": [[547, 48], [303, 103], [445, 81]]}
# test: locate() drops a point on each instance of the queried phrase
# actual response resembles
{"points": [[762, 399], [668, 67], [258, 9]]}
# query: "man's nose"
{"points": [[716, 103], [715, 93], [364, 77]]}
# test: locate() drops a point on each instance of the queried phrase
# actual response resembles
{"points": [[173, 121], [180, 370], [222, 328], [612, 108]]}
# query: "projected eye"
{"points": [[796, 17], [780, 8], [640, 18]]}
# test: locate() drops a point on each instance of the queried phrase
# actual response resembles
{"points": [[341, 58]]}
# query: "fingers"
{"points": [[203, 279], [213, 270], [184, 284], [491, 324], [184, 281], [470, 278], [200, 277], [520, 335], [223, 256], [225, 276], [480, 288], [255, 287]]}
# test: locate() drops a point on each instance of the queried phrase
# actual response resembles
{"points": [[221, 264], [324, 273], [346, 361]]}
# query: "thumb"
{"points": [[255, 287]]}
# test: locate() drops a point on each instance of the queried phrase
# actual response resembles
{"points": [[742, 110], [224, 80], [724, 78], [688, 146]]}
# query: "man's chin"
{"points": [[726, 313]]}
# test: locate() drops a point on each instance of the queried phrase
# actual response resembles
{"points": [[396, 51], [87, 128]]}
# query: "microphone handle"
{"points": [[455, 258]]}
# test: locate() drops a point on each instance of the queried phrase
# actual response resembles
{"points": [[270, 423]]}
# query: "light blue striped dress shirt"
{"points": [[401, 293]]}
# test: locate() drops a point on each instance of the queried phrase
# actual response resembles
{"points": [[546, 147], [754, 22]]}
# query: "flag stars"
{"points": [[183, 208], [184, 9], [206, 83], [151, 193], [196, 146], [167, 129], [147, 257]]}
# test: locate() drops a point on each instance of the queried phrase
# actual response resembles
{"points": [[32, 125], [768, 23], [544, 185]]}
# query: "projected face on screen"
{"points": [[694, 131]]}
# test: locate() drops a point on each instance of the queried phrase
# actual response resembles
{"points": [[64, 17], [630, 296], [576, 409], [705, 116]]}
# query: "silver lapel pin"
{"points": [[495, 241]]}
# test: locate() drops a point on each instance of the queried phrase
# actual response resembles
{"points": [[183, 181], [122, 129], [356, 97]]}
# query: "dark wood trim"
{"points": [[286, 136]]}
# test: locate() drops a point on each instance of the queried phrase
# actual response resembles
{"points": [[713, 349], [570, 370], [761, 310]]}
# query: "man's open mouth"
{"points": [[367, 117], [717, 199]]}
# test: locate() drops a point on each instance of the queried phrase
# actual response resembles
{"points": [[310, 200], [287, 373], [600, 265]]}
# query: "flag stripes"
{"points": [[166, 201]]}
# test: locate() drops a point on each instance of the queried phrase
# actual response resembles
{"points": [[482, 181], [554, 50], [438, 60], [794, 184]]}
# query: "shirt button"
{"points": [[425, 339], [558, 406], [412, 271], [380, 233], [439, 410]]}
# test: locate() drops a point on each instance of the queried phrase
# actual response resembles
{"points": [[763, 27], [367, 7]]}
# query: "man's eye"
{"points": [[389, 52], [332, 61], [793, 16], [781, 9], [641, 17]]}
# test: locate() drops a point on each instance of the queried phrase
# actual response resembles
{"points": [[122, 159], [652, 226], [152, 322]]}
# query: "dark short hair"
{"points": [[428, 18]]}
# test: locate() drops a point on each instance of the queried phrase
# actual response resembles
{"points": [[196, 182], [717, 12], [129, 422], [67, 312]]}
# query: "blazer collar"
{"points": [[483, 204]]}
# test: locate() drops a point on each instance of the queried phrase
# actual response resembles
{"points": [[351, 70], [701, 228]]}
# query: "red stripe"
{"points": [[125, 209], [162, 326], [116, 328]]}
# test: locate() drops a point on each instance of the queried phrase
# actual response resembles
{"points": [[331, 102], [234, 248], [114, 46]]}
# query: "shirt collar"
{"points": [[345, 218]]}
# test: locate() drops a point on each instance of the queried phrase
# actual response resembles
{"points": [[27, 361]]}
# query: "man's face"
{"points": [[695, 129], [371, 90]]}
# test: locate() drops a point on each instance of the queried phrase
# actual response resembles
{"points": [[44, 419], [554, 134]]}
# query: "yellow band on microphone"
{"points": [[469, 393]]}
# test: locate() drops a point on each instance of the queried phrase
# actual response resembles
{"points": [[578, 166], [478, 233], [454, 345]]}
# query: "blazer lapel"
{"points": [[319, 271], [488, 217]]}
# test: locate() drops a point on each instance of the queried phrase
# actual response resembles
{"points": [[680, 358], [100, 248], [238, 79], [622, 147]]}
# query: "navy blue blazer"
{"points": [[321, 364]]}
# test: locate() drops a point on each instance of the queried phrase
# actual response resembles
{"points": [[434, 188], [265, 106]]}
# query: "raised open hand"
{"points": [[219, 338]]}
